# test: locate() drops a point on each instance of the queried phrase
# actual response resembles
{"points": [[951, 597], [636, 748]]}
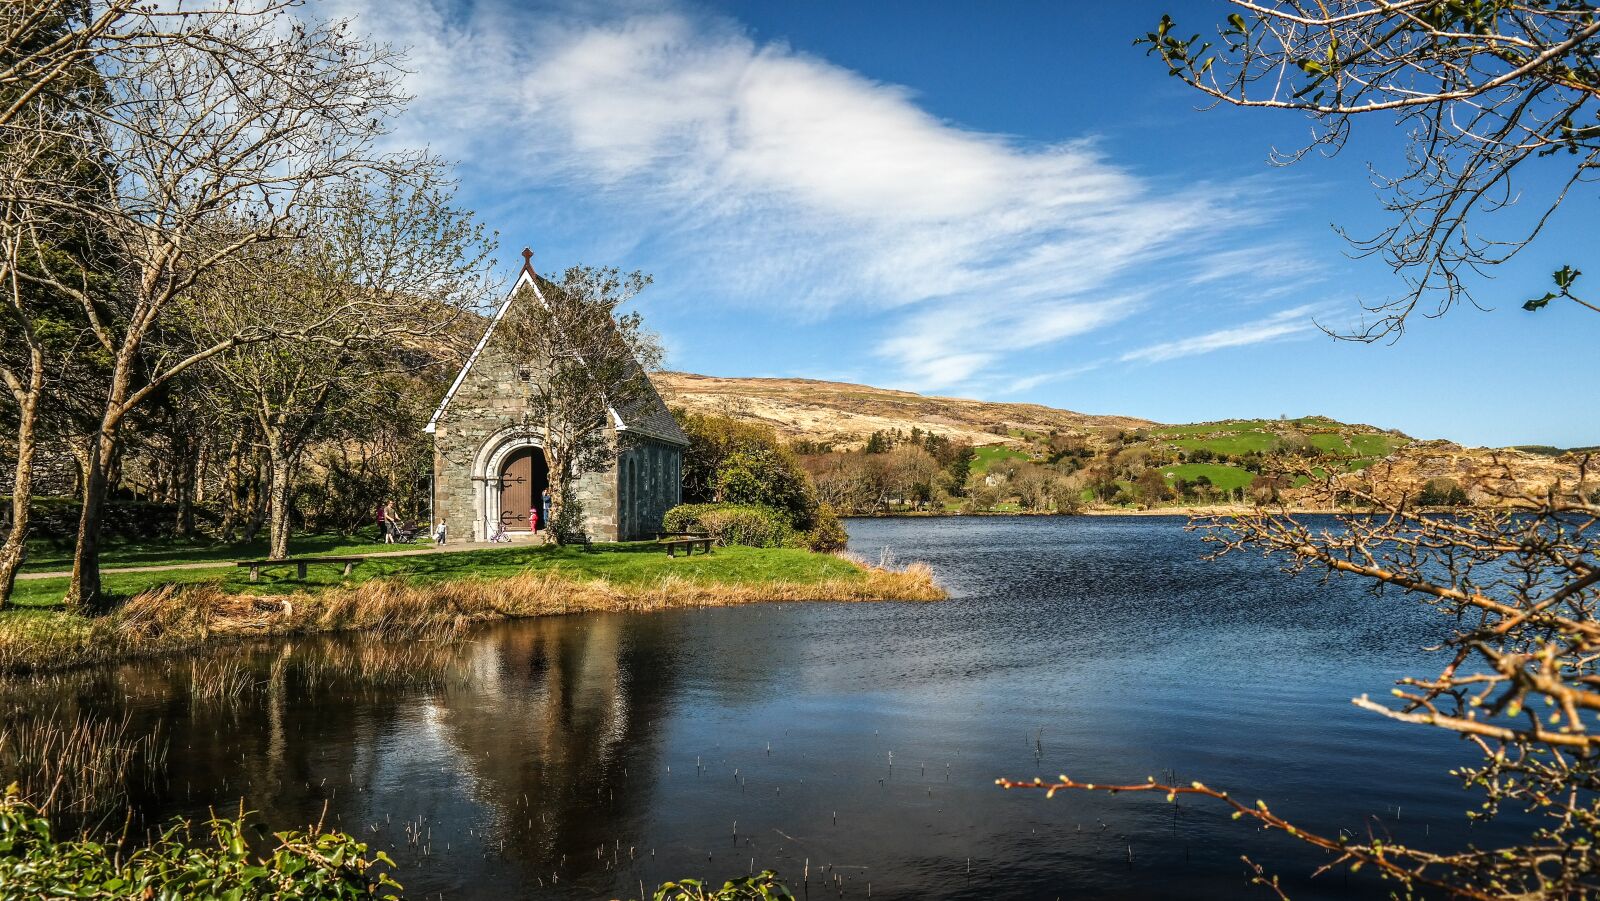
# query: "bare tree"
{"points": [[588, 363], [1519, 585], [1486, 90], [49, 41], [212, 134], [380, 273], [1489, 88], [43, 149]]}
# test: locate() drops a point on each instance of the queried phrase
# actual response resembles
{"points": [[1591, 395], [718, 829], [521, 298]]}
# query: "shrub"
{"points": [[712, 439], [763, 886], [748, 525], [303, 865], [1441, 493], [826, 533], [767, 477], [734, 462]]}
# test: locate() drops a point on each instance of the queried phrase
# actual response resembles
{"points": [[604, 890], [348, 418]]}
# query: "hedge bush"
{"points": [[826, 532], [303, 866], [768, 477], [743, 524]]}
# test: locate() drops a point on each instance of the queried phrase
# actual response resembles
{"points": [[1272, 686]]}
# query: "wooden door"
{"points": [[517, 489]]}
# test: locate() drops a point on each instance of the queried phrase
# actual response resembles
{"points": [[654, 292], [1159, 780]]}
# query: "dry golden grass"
{"points": [[176, 617]]}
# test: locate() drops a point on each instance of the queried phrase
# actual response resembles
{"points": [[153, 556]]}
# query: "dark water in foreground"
{"points": [[579, 757]]}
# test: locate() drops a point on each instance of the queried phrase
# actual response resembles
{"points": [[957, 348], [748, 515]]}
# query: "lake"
{"points": [[858, 744]]}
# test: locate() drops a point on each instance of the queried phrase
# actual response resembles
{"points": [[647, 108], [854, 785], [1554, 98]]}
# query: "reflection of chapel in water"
{"points": [[489, 468]]}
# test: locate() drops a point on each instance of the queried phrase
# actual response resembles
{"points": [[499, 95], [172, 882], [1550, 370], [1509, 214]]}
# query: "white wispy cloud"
{"points": [[1279, 326], [784, 181]]}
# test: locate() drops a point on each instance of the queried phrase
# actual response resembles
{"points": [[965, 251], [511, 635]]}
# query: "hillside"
{"points": [[843, 414], [1485, 474], [1103, 456]]}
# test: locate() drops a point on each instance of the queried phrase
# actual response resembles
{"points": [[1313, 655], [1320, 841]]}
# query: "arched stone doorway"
{"points": [[498, 497], [523, 478]]}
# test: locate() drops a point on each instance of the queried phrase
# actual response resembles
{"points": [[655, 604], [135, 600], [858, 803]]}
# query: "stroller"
{"points": [[408, 532]]}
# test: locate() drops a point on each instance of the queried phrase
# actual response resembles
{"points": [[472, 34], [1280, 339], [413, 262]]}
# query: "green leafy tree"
{"points": [[767, 477], [43, 154], [714, 437]]}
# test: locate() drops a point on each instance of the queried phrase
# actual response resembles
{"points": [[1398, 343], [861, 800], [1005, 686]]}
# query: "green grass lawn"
{"points": [[1377, 445], [48, 556], [1241, 442], [1330, 443], [1222, 476], [990, 454], [623, 564], [1202, 429]]}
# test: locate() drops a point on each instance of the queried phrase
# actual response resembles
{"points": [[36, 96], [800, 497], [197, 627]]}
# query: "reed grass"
{"points": [[182, 616], [218, 679], [78, 767]]}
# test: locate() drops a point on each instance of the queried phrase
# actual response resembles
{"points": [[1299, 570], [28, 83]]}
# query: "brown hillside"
{"points": [[846, 414], [1489, 476]]}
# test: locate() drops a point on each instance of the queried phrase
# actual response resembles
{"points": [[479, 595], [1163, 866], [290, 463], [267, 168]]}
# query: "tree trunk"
{"points": [[255, 501], [565, 518], [278, 503], [15, 547], [232, 476], [185, 449], [85, 594], [202, 465]]}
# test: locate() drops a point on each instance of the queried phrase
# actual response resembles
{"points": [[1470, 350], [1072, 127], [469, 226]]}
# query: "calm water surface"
{"points": [[579, 757]]}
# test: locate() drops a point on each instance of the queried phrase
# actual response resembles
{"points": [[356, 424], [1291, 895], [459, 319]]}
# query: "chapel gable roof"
{"points": [[647, 416]]}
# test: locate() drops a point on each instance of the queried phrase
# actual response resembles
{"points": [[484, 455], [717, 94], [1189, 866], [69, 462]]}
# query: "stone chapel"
{"points": [[489, 469]]}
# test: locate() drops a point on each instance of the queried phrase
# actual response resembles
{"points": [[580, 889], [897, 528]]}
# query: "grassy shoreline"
{"points": [[420, 597]]}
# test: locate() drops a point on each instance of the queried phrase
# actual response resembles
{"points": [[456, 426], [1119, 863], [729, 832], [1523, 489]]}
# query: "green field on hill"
{"points": [[1242, 442], [990, 454], [1222, 476], [1242, 436]]}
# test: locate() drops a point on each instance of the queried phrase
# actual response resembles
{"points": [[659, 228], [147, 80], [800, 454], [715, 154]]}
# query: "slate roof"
{"points": [[648, 416]]}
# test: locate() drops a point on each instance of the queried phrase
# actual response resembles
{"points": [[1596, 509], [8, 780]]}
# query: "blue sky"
{"points": [[1006, 201]]}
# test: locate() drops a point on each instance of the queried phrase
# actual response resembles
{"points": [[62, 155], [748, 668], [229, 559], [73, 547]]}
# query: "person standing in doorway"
{"points": [[544, 505], [533, 521]]}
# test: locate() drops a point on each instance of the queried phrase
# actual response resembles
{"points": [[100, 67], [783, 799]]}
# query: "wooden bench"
{"points": [[686, 540], [299, 564]]}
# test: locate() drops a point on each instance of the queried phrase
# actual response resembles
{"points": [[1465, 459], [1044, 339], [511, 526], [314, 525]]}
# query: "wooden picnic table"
{"points": [[300, 564]]}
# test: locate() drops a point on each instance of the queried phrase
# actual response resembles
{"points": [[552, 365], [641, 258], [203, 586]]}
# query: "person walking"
{"points": [[383, 523], [439, 533], [388, 518]]}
